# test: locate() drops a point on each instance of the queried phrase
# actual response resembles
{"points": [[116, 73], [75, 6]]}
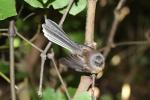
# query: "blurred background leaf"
{"points": [[51, 94]]}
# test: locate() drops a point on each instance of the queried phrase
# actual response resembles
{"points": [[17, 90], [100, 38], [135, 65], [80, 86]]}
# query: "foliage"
{"points": [[7, 9], [83, 96], [50, 93]]}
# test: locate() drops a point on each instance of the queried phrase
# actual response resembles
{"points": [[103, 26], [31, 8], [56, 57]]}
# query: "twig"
{"points": [[4, 34], [131, 43], [22, 37], [119, 15], [31, 14], [7, 79], [36, 34], [93, 85], [51, 56], [66, 12], [4, 29], [90, 19], [20, 10], [47, 48], [43, 58], [12, 70]]}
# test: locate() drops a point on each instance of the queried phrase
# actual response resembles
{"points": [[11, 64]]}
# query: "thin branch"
{"points": [[36, 34], [12, 70], [20, 10], [51, 56], [43, 58], [119, 14], [4, 29], [7, 79], [131, 43], [31, 14], [66, 12], [93, 86], [4, 34], [22, 37]]}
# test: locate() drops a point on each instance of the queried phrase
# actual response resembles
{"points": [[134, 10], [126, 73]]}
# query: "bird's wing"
{"points": [[75, 63]]}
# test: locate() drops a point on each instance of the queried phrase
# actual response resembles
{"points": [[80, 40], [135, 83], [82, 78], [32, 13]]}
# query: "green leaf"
{"points": [[57, 4], [44, 1], [50, 94], [71, 91], [4, 67], [83, 96], [34, 3], [7, 9], [78, 7]]}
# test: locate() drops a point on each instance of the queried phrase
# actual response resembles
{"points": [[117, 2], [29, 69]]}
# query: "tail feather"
{"points": [[55, 34]]}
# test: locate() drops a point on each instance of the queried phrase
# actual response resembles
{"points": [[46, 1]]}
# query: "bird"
{"points": [[82, 58]]}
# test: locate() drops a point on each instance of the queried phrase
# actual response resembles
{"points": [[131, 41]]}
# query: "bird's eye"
{"points": [[97, 64]]}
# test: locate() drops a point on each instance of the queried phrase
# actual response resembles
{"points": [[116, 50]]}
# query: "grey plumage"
{"points": [[55, 34], [90, 61]]}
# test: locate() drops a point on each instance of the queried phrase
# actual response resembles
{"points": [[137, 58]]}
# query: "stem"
{"points": [[90, 19], [119, 15], [12, 72], [66, 12], [40, 50], [93, 85], [4, 29], [7, 79], [51, 56], [131, 43]]}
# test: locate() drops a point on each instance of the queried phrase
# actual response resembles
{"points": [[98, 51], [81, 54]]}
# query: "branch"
{"points": [[119, 14], [90, 19], [7, 79], [131, 43], [66, 12], [51, 56], [85, 82], [22, 37], [36, 34], [11, 51], [4, 29], [31, 14]]}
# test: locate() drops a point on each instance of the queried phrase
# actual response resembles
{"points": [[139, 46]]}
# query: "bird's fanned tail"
{"points": [[56, 35]]}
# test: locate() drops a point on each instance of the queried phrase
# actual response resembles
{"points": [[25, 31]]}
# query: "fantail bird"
{"points": [[82, 58]]}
